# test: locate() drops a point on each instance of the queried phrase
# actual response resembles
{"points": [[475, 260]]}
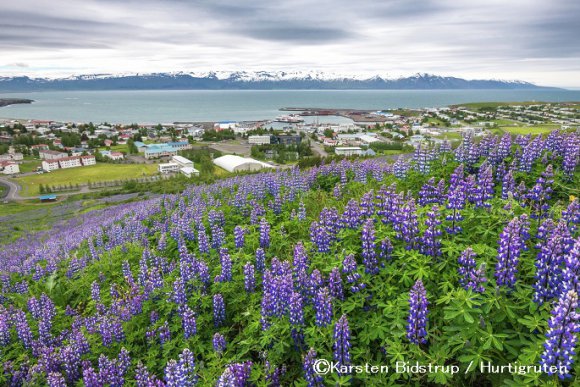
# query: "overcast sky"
{"points": [[532, 40]]}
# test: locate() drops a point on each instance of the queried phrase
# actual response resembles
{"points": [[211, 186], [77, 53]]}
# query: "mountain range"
{"points": [[256, 80]]}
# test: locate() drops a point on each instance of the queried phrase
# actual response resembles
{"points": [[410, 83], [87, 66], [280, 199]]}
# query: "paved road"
{"points": [[318, 148], [13, 189]]}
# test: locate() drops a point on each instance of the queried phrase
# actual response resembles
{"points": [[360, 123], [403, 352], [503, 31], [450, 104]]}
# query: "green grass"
{"points": [[538, 129], [29, 166], [82, 175], [451, 136], [115, 148], [23, 206]]}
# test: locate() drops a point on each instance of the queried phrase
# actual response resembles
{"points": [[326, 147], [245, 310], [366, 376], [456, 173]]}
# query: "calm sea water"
{"points": [[203, 105]]}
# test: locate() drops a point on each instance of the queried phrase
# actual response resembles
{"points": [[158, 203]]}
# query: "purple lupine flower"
{"points": [[296, 309], [351, 217], [219, 343], [249, 278], [55, 379], [164, 333], [144, 379], [218, 236], [417, 321], [335, 284], [22, 328], [431, 193], [430, 244], [226, 266], [300, 268], [540, 193], [407, 226], [278, 286], [202, 240], [320, 236], [301, 211], [188, 322], [511, 243], [341, 346], [470, 277], [572, 215], [508, 185], [235, 375], [349, 267], [561, 336], [187, 366], [264, 233], [219, 310], [548, 265], [571, 157], [312, 378], [401, 167], [571, 272], [367, 205], [386, 249], [368, 247], [174, 377], [90, 377], [323, 307], [260, 260], [484, 190], [95, 292], [179, 296], [239, 237]]}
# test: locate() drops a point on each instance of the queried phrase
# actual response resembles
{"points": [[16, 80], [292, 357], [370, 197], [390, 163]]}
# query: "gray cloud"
{"points": [[477, 38]]}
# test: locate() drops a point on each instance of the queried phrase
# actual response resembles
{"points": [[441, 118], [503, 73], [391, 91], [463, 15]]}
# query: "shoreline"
{"points": [[14, 101]]}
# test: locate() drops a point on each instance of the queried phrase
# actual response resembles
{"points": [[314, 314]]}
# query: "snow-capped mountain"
{"points": [[264, 80]]}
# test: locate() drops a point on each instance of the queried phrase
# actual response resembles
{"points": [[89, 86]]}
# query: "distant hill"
{"points": [[257, 80]]}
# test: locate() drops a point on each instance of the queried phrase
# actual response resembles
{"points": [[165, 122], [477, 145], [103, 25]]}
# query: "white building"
{"points": [[51, 155], [70, 162], [189, 171], [168, 167], [348, 150], [88, 160], [259, 140], [232, 163], [113, 155], [50, 165], [182, 161], [9, 167]]}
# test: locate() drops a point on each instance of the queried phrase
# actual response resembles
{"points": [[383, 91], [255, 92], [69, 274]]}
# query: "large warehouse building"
{"points": [[232, 163]]}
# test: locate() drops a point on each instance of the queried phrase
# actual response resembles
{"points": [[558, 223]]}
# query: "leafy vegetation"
{"points": [[438, 260]]}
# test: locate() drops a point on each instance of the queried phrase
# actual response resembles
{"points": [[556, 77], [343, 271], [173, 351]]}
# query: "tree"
{"points": [[41, 188], [328, 133], [206, 165], [131, 147]]}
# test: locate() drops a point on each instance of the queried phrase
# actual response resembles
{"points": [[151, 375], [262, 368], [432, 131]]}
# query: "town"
{"points": [[38, 156]]}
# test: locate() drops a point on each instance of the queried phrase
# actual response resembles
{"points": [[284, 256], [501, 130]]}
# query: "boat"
{"points": [[291, 119]]}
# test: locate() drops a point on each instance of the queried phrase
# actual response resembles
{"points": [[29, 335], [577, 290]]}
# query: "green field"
{"points": [[29, 165], [451, 136], [82, 175], [538, 129]]}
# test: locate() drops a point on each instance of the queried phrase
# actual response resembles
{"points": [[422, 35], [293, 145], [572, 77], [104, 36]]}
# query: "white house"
{"points": [[9, 167], [182, 161], [189, 171], [348, 150], [50, 165], [259, 140], [168, 167], [70, 162], [51, 155], [88, 160]]}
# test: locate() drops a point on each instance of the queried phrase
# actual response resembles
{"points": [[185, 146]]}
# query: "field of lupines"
{"points": [[453, 258]]}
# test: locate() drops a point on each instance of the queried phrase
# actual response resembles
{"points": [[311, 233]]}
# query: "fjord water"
{"points": [[161, 106]]}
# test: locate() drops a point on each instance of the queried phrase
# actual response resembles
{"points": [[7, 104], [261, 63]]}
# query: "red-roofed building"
{"points": [[9, 167], [88, 160]]}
